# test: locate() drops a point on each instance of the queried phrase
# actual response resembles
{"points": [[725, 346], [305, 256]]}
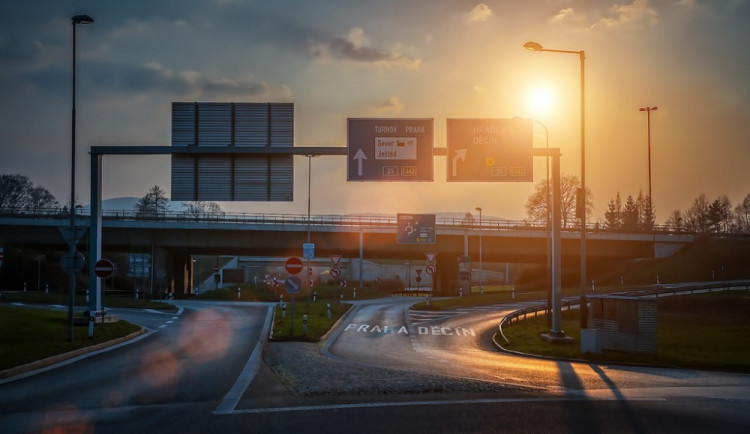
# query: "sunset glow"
{"points": [[434, 59]]}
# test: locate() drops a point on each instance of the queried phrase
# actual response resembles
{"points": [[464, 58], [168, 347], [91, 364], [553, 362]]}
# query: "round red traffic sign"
{"points": [[293, 265], [104, 268], [430, 269], [335, 272]]}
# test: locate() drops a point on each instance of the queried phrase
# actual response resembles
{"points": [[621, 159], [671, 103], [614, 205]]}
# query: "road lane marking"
{"points": [[426, 403], [229, 403]]}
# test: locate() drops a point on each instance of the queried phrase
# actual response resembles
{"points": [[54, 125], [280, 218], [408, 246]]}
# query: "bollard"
{"points": [[87, 296], [283, 310], [481, 290], [315, 296], [328, 308], [281, 298], [304, 325], [24, 286], [427, 301], [622, 280], [460, 292], [91, 325], [354, 296], [238, 293], [136, 293], [46, 288], [657, 279], [513, 293], [593, 287], [341, 299]]}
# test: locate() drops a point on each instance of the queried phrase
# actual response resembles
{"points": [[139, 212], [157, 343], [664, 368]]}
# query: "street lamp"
{"points": [[481, 272], [535, 46], [648, 111], [72, 237]]}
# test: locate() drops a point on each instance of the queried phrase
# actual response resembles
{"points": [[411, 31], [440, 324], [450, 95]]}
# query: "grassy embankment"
{"points": [[28, 335], [705, 331]]}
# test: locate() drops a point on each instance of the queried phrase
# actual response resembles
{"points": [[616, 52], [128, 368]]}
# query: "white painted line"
{"points": [[229, 403], [425, 403]]}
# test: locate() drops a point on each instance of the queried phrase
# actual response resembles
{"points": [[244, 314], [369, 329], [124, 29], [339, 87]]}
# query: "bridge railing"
{"points": [[487, 224]]}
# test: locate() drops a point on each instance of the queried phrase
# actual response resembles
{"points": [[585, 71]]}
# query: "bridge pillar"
{"points": [[446, 282]]}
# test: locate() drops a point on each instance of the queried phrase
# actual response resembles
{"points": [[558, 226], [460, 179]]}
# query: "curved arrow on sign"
{"points": [[460, 155]]}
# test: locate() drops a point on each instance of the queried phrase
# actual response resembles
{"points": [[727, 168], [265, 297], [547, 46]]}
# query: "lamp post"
{"points": [[481, 272], [648, 111], [72, 240], [535, 46], [550, 268]]}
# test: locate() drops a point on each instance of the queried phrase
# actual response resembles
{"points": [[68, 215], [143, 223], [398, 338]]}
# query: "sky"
{"points": [[438, 59]]}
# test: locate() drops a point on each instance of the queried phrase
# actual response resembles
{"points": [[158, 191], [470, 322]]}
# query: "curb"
{"points": [[43, 363]]}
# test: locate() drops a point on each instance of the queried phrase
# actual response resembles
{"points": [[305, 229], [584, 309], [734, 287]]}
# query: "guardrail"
{"points": [[655, 291], [487, 223]]}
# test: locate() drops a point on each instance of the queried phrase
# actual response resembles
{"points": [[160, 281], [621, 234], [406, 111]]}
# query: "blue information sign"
{"points": [[293, 284], [415, 228], [389, 149]]}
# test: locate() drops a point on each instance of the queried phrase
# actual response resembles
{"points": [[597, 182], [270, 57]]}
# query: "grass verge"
{"points": [[705, 331], [80, 300], [28, 335], [318, 322]]}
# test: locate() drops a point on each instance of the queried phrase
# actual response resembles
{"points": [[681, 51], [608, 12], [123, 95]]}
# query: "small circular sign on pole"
{"points": [[293, 265], [335, 272], [104, 268]]}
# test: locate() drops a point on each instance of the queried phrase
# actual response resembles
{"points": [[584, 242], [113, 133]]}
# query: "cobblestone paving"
{"points": [[304, 371]]}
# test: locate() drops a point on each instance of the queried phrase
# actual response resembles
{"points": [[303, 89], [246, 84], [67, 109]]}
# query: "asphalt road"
{"points": [[200, 371]]}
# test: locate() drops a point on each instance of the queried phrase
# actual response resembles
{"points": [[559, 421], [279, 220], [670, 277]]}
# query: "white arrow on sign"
{"points": [[359, 156], [460, 154]]}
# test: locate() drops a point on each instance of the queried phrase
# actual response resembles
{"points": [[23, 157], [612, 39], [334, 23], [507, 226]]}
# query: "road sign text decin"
{"points": [[484, 150]]}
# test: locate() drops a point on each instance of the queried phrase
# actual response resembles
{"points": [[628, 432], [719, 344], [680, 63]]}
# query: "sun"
{"points": [[540, 100]]}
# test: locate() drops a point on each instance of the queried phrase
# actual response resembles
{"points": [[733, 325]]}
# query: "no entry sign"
{"points": [[104, 268], [293, 265]]}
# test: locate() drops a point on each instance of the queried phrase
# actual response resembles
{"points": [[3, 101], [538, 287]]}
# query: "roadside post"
{"points": [[304, 325], [328, 310]]}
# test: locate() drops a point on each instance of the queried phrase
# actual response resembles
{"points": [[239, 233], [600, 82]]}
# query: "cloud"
{"points": [[154, 77], [639, 11], [391, 105], [567, 15], [355, 48], [481, 12]]}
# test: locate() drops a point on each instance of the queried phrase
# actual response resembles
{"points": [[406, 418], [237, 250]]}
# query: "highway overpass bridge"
{"points": [[174, 238]]}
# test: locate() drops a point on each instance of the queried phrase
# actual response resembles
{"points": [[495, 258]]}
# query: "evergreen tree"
{"points": [[153, 204], [631, 215]]}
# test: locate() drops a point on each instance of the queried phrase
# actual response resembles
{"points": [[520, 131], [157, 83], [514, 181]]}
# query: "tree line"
{"points": [[18, 194], [637, 213]]}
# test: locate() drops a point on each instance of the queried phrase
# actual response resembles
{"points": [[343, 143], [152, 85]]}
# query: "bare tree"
{"points": [[537, 204], [742, 215], [201, 209], [696, 217], [18, 194]]}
